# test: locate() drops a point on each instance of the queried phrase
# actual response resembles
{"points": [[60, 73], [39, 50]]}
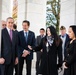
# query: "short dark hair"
{"points": [[15, 26], [26, 21], [42, 29], [9, 18], [62, 28]]}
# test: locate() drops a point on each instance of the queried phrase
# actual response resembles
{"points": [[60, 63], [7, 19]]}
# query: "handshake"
{"points": [[2, 60], [26, 52]]}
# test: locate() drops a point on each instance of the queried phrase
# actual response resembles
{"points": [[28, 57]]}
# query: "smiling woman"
{"points": [[70, 60]]}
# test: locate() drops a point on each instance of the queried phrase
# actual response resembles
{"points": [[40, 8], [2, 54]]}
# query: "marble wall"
{"points": [[68, 13], [6, 9], [34, 11]]}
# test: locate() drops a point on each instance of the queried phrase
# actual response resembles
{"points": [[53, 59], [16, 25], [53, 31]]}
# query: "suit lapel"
{"points": [[23, 37], [7, 34], [28, 36], [13, 36], [66, 39], [39, 39]]}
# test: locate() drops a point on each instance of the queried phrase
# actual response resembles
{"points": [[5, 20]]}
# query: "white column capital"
{"points": [[68, 13]]}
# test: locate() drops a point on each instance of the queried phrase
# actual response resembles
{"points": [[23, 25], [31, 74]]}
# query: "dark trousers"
{"points": [[9, 69], [17, 69], [39, 54], [66, 72], [1, 69], [28, 66]]}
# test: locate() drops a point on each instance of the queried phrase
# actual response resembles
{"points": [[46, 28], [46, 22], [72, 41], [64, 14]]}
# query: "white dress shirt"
{"points": [[8, 30], [63, 44]]}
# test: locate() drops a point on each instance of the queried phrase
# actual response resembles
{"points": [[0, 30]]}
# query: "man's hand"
{"points": [[29, 47], [25, 53], [64, 65], [16, 61], [2, 60]]}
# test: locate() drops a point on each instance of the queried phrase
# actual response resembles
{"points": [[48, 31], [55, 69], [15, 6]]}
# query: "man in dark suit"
{"points": [[26, 37], [9, 47], [39, 53], [65, 39]]}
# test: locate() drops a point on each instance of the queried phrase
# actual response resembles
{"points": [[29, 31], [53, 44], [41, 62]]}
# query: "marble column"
{"points": [[6, 9], [68, 13], [21, 13], [34, 11]]}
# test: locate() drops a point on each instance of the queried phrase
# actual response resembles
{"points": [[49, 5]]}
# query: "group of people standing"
{"points": [[53, 51]]}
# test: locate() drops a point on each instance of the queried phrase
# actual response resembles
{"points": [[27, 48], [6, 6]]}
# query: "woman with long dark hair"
{"points": [[70, 60], [52, 48]]}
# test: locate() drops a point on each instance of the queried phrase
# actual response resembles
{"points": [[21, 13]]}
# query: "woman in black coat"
{"points": [[52, 47], [70, 60]]}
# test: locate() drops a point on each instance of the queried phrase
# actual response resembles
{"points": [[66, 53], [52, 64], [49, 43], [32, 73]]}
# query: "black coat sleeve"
{"points": [[37, 41], [59, 53], [20, 49], [39, 47], [33, 40], [72, 57]]}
